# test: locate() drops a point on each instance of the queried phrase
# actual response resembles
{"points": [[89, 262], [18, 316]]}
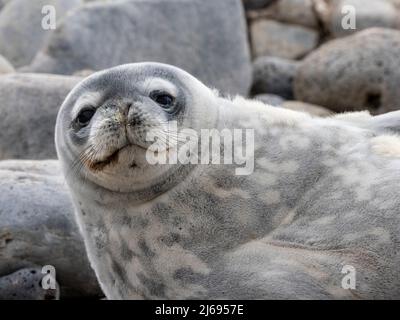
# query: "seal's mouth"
{"points": [[100, 165]]}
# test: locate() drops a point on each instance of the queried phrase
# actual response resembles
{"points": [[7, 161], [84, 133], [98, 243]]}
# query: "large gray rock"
{"points": [[371, 13], [353, 73], [5, 66], [274, 75], [273, 38], [206, 38], [37, 226], [25, 284], [21, 32], [3, 3], [29, 107]]}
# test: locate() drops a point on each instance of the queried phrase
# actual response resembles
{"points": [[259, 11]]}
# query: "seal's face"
{"points": [[104, 124]]}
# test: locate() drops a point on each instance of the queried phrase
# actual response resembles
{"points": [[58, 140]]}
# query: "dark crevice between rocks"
{"points": [[373, 100], [324, 32]]}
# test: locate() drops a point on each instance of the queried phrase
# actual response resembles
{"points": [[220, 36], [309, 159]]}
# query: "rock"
{"points": [[371, 13], [321, 9], [5, 66], [37, 226], [256, 4], [83, 73], [274, 75], [396, 3], [21, 24], [308, 108], [300, 12], [25, 284], [3, 3], [206, 38], [29, 106], [353, 73], [270, 99], [272, 38]]}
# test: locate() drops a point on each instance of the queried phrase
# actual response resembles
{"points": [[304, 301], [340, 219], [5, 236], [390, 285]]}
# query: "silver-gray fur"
{"points": [[324, 194]]}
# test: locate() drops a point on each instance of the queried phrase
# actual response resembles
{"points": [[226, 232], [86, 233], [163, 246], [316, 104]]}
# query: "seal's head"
{"points": [[103, 126]]}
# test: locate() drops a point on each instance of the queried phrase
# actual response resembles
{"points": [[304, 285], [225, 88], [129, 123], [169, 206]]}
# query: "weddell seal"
{"points": [[317, 217]]}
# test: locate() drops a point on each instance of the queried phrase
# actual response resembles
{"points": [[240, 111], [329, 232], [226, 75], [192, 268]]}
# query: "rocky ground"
{"points": [[288, 53]]}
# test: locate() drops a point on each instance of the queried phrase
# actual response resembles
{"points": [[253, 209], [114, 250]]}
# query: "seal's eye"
{"points": [[164, 99], [85, 116]]}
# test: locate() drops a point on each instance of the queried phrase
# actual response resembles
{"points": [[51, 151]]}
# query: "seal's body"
{"points": [[323, 197]]}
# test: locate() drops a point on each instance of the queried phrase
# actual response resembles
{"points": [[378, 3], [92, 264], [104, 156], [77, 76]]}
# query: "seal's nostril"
{"points": [[125, 107]]}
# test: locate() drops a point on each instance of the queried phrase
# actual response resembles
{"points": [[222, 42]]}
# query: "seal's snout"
{"points": [[127, 114], [122, 109], [134, 117]]}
